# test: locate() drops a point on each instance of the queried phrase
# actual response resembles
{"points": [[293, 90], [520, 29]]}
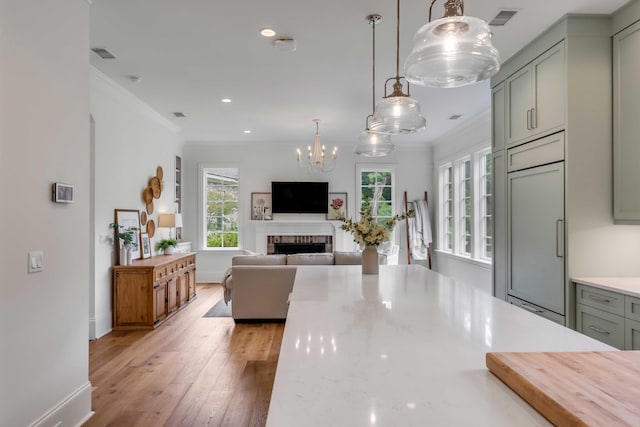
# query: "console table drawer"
{"points": [[601, 299]]}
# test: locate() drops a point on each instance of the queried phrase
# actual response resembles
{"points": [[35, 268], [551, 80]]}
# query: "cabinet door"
{"points": [[183, 293], [535, 220], [498, 100], [499, 226], [626, 126], [159, 301], [191, 283], [519, 103], [631, 334], [172, 295], [549, 91]]}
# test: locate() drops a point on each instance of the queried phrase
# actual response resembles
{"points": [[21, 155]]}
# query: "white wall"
{"points": [[44, 138], [261, 163], [473, 135], [131, 140]]}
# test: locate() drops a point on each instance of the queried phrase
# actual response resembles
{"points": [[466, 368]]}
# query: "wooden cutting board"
{"points": [[577, 389]]}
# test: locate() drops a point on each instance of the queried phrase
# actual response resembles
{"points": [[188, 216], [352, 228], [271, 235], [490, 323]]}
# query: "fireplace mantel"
{"points": [[342, 240]]}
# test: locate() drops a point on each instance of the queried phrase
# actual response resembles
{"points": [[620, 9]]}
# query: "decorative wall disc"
{"points": [[147, 195], [159, 173], [150, 208], [156, 187], [151, 228], [143, 218]]}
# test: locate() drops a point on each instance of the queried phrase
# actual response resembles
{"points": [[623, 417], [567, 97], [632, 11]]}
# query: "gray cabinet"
{"points": [[536, 97], [608, 316], [535, 244], [499, 226], [626, 126], [498, 114]]}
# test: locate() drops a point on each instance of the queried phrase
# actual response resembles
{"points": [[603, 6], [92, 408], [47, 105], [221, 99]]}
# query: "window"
{"points": [[382, 177], [486, 186], [221, 208], [446, 191], [465, 220]]}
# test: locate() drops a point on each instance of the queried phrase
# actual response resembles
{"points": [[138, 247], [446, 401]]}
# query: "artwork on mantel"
{"points": [[261, 206], [337, 206]]}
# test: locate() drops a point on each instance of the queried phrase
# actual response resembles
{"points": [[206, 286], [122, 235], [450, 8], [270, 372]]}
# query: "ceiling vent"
{"points": [[103, 53], [455, 116], [179, 114], [502, 17]]}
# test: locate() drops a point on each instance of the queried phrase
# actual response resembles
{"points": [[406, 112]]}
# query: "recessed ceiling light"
{"points": [[226, 100], [103, 53], [455, 116], [267, 32], [247, 131], [179, 114], [135, 79]]}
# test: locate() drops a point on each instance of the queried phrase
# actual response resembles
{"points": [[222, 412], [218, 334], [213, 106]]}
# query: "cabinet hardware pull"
{"points": [[531, 309], [601, 331], [558, 254], [528, 119], [596, 299], [156, 286], [534, 119]]}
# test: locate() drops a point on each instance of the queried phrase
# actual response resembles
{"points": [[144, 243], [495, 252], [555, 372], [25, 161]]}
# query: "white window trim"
{"points": [[456, 161], [378, 167], [202, 197], [480, 211]]}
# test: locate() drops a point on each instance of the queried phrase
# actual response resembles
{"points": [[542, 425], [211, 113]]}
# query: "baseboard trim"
{"points": [[74, 410]]}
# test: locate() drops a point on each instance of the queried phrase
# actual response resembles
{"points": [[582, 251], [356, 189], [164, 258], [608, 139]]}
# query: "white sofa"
{"points": [[259, 285]]}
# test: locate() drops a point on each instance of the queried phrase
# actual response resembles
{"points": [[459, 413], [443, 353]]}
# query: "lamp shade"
{"points": [[452, 51], [396, 115], [178, 218], [167, 220], [373, 144]]}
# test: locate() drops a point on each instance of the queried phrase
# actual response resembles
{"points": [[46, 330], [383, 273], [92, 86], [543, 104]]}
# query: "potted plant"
{"points": [[125, 236], [167, 246]]}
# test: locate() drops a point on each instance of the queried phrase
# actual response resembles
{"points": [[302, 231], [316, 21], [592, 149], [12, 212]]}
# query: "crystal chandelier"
{"points": [[397, 113], [316, 159], [452, 51], [370, 143]]}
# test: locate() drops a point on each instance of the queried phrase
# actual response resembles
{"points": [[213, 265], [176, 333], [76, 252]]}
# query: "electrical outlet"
{"points": [[36, 261]]}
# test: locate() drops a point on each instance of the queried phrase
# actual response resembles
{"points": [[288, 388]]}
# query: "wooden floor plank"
{"points": [[190, 371]]}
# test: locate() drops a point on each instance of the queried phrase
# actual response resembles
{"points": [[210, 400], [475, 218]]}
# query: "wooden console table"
{"points": [[151, 290]]}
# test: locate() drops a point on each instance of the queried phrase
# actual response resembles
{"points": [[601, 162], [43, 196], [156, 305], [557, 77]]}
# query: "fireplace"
{"points": [[299, 244]]}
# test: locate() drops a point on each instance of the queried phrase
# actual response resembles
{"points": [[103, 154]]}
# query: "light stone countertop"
{"points": [[405, 348], [623, 285]]}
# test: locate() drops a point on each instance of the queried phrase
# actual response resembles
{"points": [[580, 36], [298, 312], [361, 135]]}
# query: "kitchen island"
{"points": [[403, 348]]}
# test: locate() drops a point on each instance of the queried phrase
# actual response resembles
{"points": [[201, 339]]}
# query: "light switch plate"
{"points": [[36, 261]]}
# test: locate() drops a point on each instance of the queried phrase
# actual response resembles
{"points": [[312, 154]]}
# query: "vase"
{"points": [[170, 250], [370, 260], [123, 255], [129, 256]]}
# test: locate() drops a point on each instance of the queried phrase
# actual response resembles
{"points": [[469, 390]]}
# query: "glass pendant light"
{"points": [[452, 51], [397, 113], [370, 143]]}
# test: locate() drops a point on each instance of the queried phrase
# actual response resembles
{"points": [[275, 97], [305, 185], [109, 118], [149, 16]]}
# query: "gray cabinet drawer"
{"points": [[632, 307], [631, 335], [536, 309], [539, 152], [600, 325], [600, 299]]}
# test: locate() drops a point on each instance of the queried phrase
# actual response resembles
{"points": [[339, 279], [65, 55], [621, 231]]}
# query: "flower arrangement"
{"points": [[368, 231]]}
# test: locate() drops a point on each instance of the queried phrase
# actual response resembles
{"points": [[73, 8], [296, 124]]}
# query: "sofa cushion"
{"points": [[310, 259], [347, 258], [259, 260]]}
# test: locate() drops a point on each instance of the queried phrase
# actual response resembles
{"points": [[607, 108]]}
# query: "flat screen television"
{"points": [[299, 197]]}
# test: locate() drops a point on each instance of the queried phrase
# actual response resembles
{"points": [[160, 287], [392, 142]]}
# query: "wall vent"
{"points": [[502, 17], [103, 53]]}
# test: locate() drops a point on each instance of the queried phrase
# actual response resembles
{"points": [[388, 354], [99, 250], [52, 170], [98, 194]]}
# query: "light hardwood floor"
{"points": [[190, 371]]}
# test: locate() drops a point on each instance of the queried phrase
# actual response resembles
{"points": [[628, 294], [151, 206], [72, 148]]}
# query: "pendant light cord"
{"points": [[398, 43], [373, 72]]}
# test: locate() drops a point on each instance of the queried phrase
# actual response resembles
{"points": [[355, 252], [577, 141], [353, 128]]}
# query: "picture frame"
{"points": [[62, 193], [145, 245], [339, 199], [261, 207], [126, 219]]}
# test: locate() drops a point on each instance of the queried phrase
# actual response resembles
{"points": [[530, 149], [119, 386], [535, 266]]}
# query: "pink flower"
{"points": [[336, 203]]}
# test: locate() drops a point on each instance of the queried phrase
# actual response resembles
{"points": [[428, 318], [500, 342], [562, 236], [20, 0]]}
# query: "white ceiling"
{"points": [[192, 53]]}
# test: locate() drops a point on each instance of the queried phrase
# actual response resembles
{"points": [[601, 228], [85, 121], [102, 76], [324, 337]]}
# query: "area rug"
{"points": [[220, 309]]}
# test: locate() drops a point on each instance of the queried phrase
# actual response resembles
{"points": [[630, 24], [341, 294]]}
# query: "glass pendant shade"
{"points": [[397, 115], [373, 144], [452, 51]]}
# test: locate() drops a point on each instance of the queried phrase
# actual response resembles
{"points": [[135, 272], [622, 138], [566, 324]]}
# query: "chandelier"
{"points": [[452, 51], [316, 159], [397, 113], [370, 143]]}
